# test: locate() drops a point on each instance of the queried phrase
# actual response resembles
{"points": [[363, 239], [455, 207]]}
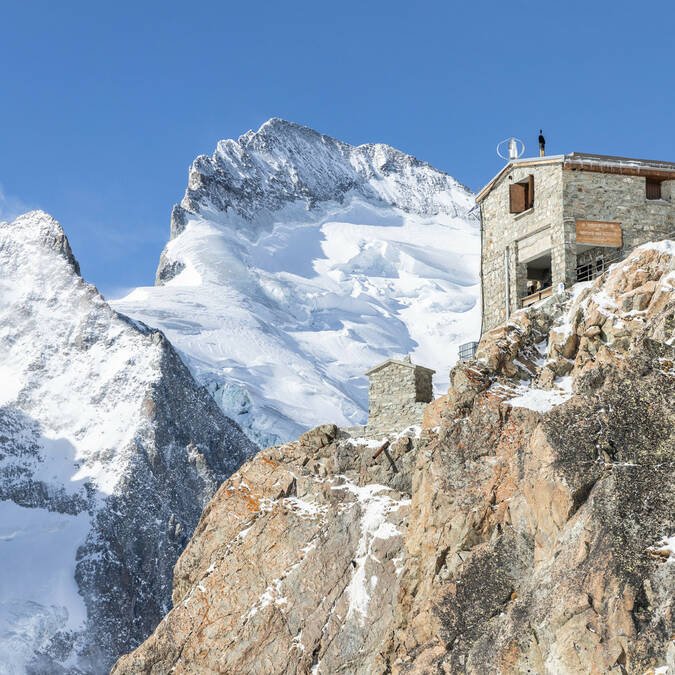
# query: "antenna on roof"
{"points": [[516, 148]]}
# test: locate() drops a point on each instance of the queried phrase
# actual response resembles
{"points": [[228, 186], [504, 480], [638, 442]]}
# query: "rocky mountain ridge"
{"points": [[528, 527], [109, 450], [284, 162], [296, 261]]}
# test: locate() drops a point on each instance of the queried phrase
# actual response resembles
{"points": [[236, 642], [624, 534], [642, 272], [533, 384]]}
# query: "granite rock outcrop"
{"points": [[528, 528], [294, 565]]}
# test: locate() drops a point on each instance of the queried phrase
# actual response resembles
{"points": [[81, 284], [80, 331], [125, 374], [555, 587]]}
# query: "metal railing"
{"points": [[595, 268], [536, 296], [467, 351]]}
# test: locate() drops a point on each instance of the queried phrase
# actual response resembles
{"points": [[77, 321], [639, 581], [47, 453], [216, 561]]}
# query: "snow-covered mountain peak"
{"points": [[107, 446], [39, 229], [41, 275], [284, 163], [297, 261]]}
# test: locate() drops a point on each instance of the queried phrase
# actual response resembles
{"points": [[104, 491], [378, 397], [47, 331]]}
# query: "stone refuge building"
{"points": [[398, 393], [552, 221]]}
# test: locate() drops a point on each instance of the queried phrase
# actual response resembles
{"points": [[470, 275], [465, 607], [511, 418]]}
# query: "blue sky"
{"points": [[103, 106]]}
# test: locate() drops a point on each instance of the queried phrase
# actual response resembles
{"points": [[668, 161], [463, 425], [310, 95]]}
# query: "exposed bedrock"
{"points": [[526, 528]]}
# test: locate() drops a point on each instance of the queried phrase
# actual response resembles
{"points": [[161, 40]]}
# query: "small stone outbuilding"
{"points": [[398, 394]]}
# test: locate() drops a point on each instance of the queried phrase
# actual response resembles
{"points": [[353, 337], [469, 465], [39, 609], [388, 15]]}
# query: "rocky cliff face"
{"points": [[529, 527], [296, 562], [109, 450], [549, 486], [297, 261]]}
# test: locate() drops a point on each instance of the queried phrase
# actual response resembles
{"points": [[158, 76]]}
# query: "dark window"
{"points": [[653, 188], [521, 195], [530, 191]]}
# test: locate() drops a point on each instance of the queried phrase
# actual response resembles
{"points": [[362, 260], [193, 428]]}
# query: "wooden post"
{"points": [[381, 449], [391, 460]]}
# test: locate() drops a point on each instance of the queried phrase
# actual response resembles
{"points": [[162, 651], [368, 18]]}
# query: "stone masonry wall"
{"points": [[502, 229], [560, 198], [589, 195], [398, 395]]}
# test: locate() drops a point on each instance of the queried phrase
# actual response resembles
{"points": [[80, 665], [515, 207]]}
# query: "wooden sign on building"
{"points": [[598, 233]]}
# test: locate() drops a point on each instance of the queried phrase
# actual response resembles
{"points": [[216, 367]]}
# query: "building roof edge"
{"points": [[407, 364], [590, 161], [523, 161]]}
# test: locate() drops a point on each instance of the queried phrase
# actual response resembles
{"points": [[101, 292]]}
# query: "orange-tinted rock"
{"points": [[531, 542], [432, 413]]}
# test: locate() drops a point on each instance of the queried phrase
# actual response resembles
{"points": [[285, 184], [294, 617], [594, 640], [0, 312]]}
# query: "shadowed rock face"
{"points": [[541, 491]]}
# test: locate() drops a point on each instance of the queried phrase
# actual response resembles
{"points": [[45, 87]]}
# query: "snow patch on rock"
{"points": [[542, 400], [375, 509]]}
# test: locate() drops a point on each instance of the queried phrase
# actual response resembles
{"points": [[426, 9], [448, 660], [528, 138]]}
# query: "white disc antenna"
{"points": [[513, 146]]}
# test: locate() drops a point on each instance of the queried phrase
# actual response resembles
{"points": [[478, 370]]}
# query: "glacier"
{"points": [[296, 262]]}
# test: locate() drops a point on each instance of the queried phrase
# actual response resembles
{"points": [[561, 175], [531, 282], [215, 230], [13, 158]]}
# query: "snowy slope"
{"points": [[296, 262], [108, 452]]}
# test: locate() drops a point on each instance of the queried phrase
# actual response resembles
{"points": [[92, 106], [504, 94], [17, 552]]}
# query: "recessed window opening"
{"points": [[653, 188], [539, 279], [521, 195]]}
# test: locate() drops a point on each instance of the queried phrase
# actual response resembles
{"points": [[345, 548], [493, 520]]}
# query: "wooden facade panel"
{"points": [[599, 233], [517, 198], [623, 170]]}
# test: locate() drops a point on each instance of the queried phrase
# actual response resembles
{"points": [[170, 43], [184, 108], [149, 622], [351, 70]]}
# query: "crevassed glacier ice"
{"points": [[296, 262]]}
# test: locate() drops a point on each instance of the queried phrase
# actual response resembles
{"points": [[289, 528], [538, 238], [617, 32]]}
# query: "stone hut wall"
{"points": [[611, 197], [561, 197], [398, 395], [502, 228]]}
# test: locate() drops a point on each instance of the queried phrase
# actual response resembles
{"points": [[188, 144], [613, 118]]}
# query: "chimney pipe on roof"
{"points": [[542, 144]]}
